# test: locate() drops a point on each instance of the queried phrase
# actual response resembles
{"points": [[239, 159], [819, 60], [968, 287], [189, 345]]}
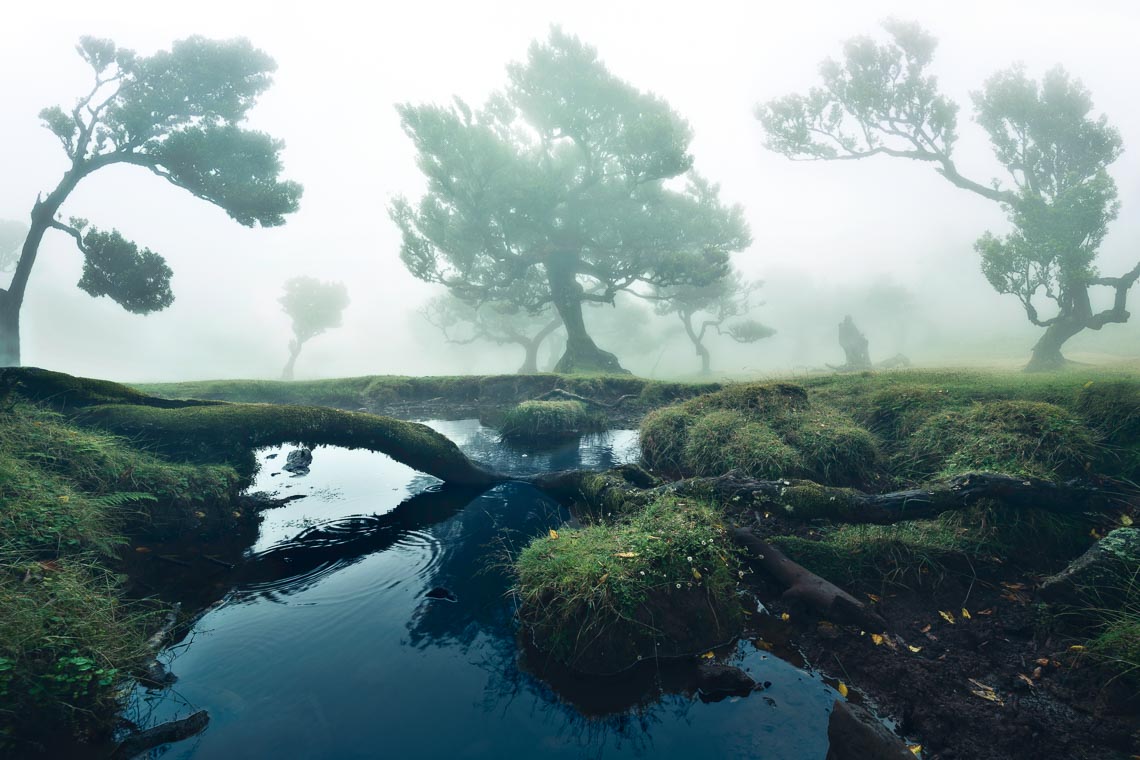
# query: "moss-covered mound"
{"points": [[660, 582], [1027, 438], [547, 420], [1112, 409], [762, 430]]}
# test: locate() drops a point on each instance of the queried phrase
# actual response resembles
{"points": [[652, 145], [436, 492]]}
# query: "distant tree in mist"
{"points": [[314, 307], [569, 174], [178, 114], [12, 234], [500, 323], [707, 308], [1058, 196]]}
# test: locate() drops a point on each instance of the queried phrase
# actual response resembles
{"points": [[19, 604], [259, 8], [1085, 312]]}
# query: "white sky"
{"points": [[342, 67]]}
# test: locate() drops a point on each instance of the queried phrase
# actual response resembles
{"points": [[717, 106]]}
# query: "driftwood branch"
{"points": [[569, 396]]}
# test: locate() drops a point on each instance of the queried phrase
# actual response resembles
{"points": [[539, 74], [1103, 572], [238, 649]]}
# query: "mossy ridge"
{"points": [[379, 391], [228, 432], [548, 420], [659, 581], [765, 430]]}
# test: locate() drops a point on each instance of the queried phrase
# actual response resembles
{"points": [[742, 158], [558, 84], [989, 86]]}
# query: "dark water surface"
{"points": [[328, 647]]}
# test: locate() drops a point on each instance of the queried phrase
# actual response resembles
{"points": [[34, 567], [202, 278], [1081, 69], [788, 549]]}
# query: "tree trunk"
{"points": [[294, 352], [698, 342], [9, 330], [582, 354], [854, 345], [530, 363], [1047, 351]]}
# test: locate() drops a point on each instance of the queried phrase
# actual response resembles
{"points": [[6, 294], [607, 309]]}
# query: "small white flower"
{"points": [[740, 573], [690, 559], [678, 585]]}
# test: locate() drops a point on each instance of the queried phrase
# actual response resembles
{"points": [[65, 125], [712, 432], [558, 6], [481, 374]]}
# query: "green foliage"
{"points": [[658, 582], [314, 306], [1056, 153], [1012, 437], [139, 281], [558, 191], [537, 420]]}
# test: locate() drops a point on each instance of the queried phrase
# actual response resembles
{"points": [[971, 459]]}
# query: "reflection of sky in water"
{"points": [[327, 647]]}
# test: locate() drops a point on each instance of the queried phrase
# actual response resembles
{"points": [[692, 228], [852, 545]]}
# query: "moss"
{"points": [[229, 432], [767, 430], [1027, 438], [539, 420], [659, 582], [664, 435]]}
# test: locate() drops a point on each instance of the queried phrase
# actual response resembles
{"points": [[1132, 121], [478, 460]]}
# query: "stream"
{"points": [[327, 647]]}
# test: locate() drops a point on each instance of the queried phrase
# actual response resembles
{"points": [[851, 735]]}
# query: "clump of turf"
{"points": [[761, 430], [547, 420], [1112, 408], [1027, 438], [660, 582]]}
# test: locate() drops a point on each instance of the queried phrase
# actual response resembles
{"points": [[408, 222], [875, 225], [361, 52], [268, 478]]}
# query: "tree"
{"points": [[1058, 197], [567, 187], [314, 307], [702, 308], [503, 324], [179, 114]]}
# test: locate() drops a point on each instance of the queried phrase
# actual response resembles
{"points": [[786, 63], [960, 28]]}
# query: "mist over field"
{"points": [[886, 241]]}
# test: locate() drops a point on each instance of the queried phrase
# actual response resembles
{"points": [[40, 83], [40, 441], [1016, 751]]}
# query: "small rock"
{"points": [[855, 734], [298, 461], [716, 682]]}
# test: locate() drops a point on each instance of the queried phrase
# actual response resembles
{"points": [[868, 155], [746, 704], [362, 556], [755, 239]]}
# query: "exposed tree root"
{"points": [[172, 731], [806, 588], [808, 500]]}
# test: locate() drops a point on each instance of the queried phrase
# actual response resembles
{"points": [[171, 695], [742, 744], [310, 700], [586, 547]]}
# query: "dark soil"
{"points": [[1045, 699]]}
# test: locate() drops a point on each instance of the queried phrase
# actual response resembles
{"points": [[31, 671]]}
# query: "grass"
{"points": [[764, 430], [658, 582], [545, 420], [68, 494]]}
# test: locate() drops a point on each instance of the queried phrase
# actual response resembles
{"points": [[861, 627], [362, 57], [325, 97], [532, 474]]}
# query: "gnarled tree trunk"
{"points": [[1047, 351], [531, 346], [854, 345], [9, 330], [582, 354]]}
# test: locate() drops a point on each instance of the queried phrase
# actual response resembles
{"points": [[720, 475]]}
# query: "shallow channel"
{"points": [[329, 648]]}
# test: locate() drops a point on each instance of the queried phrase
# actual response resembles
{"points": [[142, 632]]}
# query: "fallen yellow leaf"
{"points": [[708, 655], [991, 696], [915, 749], [947, 617], [965, 613], [873, 598], [842, 689], [65, 498], [625, 555], [603, 579], [761, 644], [913, 648], [1076, 648], [877, 638], [1125, 520], [1026, 678], [696, 573], [553, 534], [785, 616]]}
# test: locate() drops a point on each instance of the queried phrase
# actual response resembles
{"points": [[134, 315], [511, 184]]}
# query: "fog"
{"points": [[827, 236]]}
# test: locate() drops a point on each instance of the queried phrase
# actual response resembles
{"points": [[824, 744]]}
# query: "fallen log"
{"points": [[807, 500], [569, 396], [806, 588], [166, 733]]}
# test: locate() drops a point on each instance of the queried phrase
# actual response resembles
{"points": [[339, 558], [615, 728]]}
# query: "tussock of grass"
{"points": [[763, 430], [1027, 438], [544, 420], [658, 582]]}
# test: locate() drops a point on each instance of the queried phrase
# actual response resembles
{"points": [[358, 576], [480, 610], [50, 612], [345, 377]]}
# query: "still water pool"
{"points": [[327, 647]]}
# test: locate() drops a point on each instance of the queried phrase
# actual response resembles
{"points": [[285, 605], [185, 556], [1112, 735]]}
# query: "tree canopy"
{"points": [[180, 114], [568, 186], [1057, 193]]}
